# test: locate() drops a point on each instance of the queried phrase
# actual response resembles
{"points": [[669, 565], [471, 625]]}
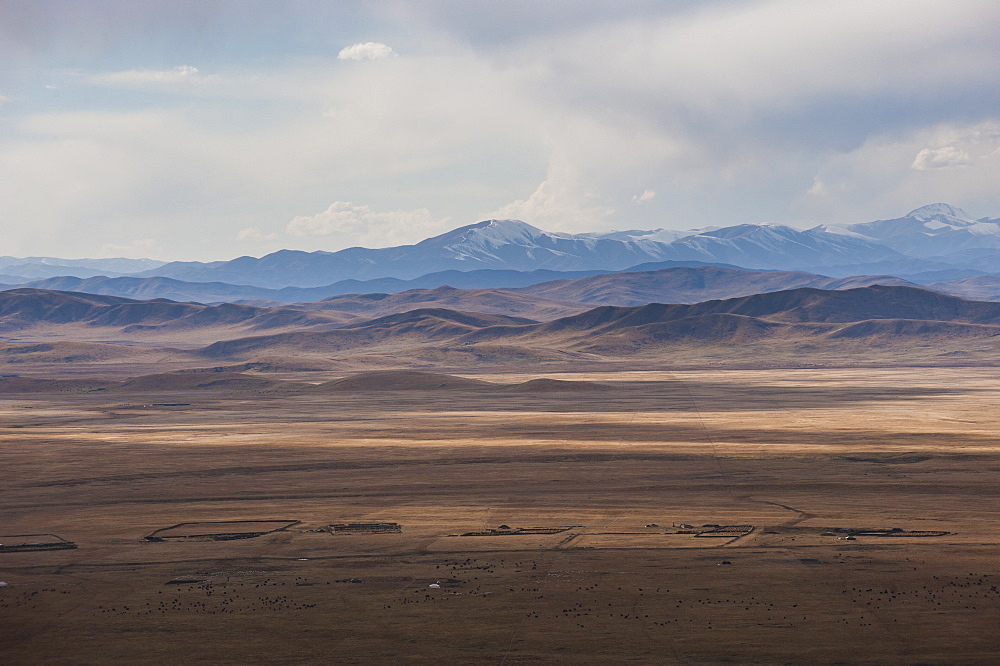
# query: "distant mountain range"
{"points": [[514, 245], [672, 284], [215, 292], [924, 239], [14, 270], [494, 244], [935, 243]]}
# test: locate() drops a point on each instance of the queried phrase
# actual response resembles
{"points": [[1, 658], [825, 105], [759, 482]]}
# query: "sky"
{"points": [[192, 130]]}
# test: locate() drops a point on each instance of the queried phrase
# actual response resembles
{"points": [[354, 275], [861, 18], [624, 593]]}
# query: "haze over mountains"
{"points": [[509, 268], [938, 237], [511, 244], [45, 267]]}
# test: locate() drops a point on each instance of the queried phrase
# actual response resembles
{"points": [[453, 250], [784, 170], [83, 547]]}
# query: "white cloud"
{"points": [[882, 179], [643, 196], [254, 234], [559, 203], [736, 59], [4, 100], [555, 123], [818, 188], [180, 74], [947, 157], [358, 224], [366, 51]]}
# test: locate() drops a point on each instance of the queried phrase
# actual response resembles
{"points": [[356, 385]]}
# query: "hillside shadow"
{"points": [[678, 396]]}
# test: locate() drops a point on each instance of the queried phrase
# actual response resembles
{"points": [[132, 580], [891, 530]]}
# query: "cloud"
{"points": [[358, 224], [948, 157], [254, 234], [740, 58], [558, 203], [551, 112], [643, 196], [4, 100], [955, 163], [366, 51], [818, 188], [180, 74]]}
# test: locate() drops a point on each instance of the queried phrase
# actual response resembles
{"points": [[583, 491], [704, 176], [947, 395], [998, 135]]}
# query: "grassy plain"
{"points": [[793, 453]]}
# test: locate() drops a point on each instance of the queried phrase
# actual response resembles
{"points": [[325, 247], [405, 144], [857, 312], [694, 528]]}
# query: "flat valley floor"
{"points": [[769, 516]]}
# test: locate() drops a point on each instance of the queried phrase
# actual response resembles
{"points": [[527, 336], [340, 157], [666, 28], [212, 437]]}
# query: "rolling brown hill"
{"points": [[545, 385], [154, 383], [403, 380], [18, 384], [26, 307], [65, 352], [489, 301], [38, 309], [802, 305], [805, 319], [211, 379], [413, 380], [886, 330], [980, 288], [794, 315], [692, 285], [193, 381], [414, 327]]}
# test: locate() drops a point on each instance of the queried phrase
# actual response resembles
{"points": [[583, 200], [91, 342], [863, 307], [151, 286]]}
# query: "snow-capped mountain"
{"points": [[515, 245], [776, 246], [657, 235], [938, 238], [929, 231], [491, 244]]}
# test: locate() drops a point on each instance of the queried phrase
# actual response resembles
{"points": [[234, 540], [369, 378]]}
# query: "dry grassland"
{"points": [[795, 454]]}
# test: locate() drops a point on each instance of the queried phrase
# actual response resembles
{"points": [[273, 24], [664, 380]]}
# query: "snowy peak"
{"points": [[503, 232], [512, 244], [941, 212], [929, 231], [490, 233]]}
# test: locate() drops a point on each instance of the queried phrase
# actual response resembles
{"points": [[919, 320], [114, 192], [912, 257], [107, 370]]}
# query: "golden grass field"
{"points": [[794, 454]]}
